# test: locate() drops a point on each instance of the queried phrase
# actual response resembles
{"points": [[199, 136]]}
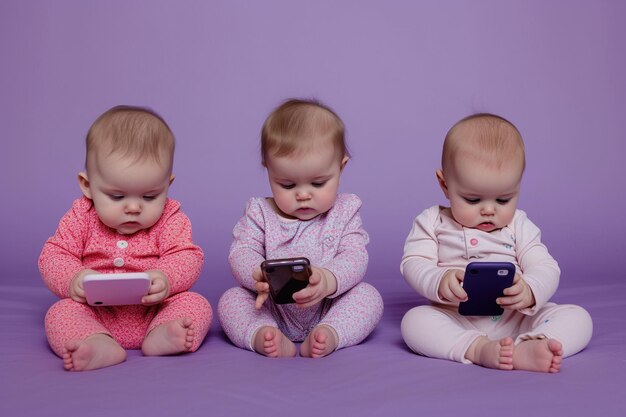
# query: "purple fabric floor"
{"points": [[379, 377]]}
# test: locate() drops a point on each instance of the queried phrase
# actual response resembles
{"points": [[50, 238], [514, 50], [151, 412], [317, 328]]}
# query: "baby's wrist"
{"points": [[331, 282]]}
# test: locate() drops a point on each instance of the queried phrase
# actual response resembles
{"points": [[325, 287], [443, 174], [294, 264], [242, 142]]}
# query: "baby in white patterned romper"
{"points": [[304, 151]]}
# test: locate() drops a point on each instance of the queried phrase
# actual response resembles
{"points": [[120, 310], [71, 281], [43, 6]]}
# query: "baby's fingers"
{"points": [[79, 291], [511, 303], [304, 295], [153, 298], [513, 290], [456, 289], [262, 287], [257, 275], [79, 299], [156, 287], [458, 292], [260, 299]]}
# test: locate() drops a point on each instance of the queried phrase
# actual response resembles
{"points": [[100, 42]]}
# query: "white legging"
{"points": [[441, 332]]}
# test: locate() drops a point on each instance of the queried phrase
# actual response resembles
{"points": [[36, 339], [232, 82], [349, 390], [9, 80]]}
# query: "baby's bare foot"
{"points": [[169, 338], [539, 355], [271, 342], [322, 341], [496, 354], [94, 352]]}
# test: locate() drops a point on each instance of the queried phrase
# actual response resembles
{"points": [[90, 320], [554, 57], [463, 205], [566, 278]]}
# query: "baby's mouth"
{"points": [[486, 226]]}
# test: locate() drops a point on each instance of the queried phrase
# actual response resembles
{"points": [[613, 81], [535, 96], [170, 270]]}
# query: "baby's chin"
{"points": [[130, 228]]}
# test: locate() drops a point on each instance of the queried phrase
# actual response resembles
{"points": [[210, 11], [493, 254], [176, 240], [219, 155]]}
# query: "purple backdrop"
{"points": [[399, 73]]}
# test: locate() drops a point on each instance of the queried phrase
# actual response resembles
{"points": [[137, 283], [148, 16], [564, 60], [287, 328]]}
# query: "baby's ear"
{"points": [[442, 182], [83, 183], [344, 161]]}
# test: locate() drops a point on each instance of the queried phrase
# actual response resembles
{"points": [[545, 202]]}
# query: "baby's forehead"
{"points": [[487, 161], [105, 159]]}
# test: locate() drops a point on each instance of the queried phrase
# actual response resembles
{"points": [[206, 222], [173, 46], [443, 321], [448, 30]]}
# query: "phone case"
{"points": [[286, 277], [115, 289], [483, 283]]}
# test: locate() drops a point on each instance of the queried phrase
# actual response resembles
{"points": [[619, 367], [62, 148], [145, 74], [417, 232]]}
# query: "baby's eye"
{"points": [[503, 201], [149, 197], [116, 197], [287, 186], [318, 184], [472, 200]]}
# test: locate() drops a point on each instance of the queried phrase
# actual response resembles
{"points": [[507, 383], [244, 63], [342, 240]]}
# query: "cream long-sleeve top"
{"points": [[437, 243]]}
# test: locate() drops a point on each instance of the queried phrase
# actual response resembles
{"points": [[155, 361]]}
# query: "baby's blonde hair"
{"points": [[486, 137], [134, 132], [295, 126]]}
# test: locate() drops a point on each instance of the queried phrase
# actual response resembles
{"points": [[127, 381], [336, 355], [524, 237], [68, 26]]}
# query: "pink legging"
{"points": [[69, 320], [441, 332], [353, 315]]}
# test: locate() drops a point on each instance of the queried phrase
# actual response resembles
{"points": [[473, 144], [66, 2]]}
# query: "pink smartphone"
{"points": [[115, 289]]}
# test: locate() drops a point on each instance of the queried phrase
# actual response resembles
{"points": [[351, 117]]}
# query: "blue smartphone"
{"points": [[286, 277], [483, 283]]}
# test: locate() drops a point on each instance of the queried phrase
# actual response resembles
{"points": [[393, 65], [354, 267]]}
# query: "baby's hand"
{"points": [[77, 292], [262, 288], [159, 288], [322, 283], [518, 296], [450, 288]]}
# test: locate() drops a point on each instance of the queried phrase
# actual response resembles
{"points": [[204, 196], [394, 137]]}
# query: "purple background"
{"points": [[399, 73]]}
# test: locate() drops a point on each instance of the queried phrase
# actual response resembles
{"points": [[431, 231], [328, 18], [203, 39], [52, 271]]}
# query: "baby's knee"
{"points": [[60, 323], [414, 325], [199, 303], [582, 320], [234, 294], [370, 294], [582, 316], [64, 309], [234, 298], [415, 318]]}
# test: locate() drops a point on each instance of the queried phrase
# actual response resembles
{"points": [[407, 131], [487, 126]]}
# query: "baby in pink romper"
{"points": [[303, 149], [482, 165], [125, 223]]}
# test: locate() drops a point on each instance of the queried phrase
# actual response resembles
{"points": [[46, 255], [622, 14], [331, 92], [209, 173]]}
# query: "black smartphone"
{"points": [[483, 283], [286, 277]]}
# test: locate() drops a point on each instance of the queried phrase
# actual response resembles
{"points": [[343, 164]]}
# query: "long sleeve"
{"points": [[180, 259], [419, 264], [247, 250], [539, 269], [350, 261], [61, 257]]}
